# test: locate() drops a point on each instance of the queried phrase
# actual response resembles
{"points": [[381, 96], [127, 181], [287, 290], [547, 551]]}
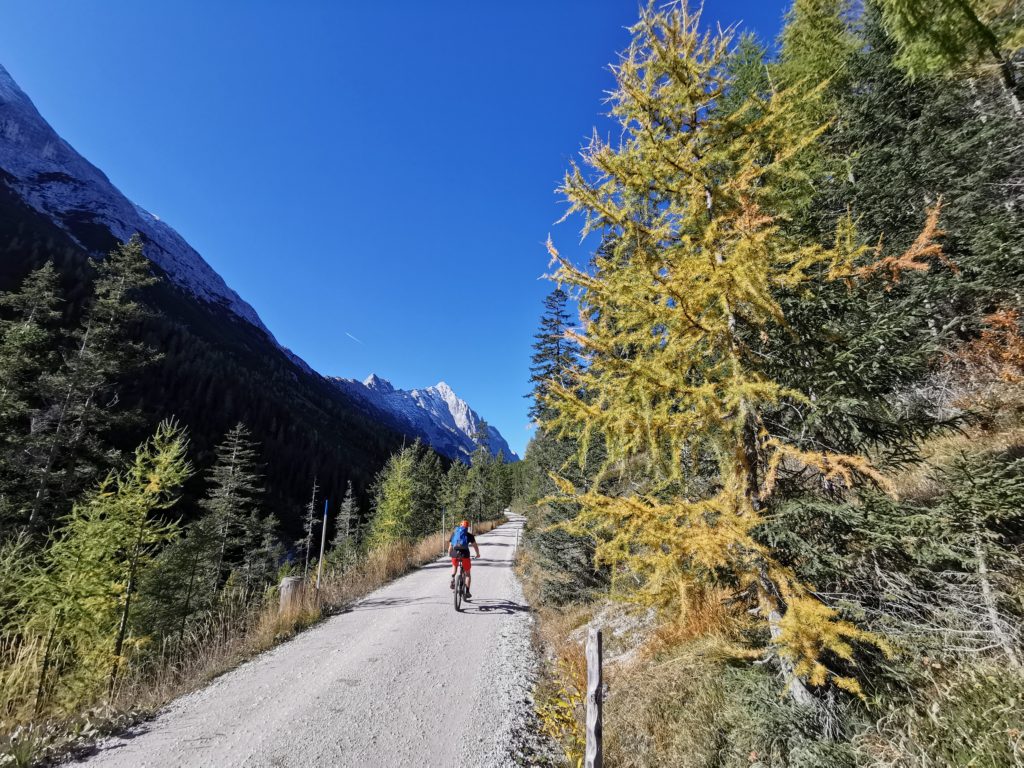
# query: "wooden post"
{"points": [[594, 756], [291, 593]]}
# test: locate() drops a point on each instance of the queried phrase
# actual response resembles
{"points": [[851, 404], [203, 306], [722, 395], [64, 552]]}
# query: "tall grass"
{"points": [[242, 626]]}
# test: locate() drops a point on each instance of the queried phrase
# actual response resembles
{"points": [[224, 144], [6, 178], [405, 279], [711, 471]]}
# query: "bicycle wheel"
{"points": [[458, 591]]}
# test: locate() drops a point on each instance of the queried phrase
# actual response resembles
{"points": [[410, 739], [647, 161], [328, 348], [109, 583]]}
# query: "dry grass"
{"points": [[241, 629]]}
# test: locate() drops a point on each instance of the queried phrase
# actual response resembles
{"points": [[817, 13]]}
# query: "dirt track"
{"points": [[400, 679]]}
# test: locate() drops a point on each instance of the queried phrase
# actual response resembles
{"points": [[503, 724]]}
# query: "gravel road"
{"points": [[399, 679]]}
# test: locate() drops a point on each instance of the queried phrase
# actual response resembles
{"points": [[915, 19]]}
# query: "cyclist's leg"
{"points": [[466, 565]]}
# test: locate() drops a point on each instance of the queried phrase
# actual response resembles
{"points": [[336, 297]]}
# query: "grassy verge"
{"points": [[236, 632]]}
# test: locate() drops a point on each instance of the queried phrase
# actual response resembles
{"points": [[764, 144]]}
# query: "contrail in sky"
{"points": [[357, 341]]}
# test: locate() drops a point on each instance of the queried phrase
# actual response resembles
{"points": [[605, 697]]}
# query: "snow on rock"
{"points": [[436, 414], [49, 175]]}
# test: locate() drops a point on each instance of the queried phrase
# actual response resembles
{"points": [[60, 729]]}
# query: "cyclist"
{"points": [[459, 550]]}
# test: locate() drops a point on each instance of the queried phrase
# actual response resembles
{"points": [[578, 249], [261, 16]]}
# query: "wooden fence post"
{"points": [[594, 756], [291, 593]]}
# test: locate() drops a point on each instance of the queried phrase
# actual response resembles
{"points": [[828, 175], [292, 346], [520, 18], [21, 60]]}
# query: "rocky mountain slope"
{"points": [[435, 414], [221, 364]]}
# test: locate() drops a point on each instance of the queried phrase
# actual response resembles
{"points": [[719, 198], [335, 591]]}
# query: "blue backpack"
{"points": [[460, 539]]}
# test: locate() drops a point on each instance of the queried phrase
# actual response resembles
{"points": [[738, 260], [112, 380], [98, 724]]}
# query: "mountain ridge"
{"points": [[51, 178], [435, 413]]}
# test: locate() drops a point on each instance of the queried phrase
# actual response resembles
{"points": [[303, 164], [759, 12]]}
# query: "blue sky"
{"points": [[376, 179]]}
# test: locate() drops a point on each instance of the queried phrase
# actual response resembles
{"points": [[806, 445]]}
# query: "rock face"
{"points": [[435, 414], [49, 175]]}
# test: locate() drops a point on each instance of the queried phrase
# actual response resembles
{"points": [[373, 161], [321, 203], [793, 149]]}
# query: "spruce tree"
{"points": [[309, 529], [344, 547], [232, 502], [83, 405], [427, 475], [29, 340], [554, 354]]}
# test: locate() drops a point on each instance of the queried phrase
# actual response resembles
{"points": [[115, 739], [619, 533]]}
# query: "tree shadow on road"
{"points": [[494, 607]]}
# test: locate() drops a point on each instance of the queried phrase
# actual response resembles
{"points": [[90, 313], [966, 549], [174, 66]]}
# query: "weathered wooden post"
{"points": [[594, 756], [291, 594]]}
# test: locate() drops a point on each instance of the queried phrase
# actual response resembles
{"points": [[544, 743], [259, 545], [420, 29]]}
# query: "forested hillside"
{"points": [[163, 464], [779, 449]]}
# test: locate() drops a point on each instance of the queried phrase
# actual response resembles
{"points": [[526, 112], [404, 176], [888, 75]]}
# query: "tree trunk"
{"points": [[47, 660], [989, 599], [769, 606], [122, 629]]}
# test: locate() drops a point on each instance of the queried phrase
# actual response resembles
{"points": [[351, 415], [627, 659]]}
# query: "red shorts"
{"points": [[465, 563]]}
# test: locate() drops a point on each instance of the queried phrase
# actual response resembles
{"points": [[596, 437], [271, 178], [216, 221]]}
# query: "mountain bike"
{"points": [[460, 586]]}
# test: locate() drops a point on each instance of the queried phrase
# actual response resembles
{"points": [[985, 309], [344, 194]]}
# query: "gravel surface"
{"points": [[399, 679]]}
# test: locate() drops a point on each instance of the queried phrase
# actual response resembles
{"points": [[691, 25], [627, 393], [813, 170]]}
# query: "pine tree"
{"points": [[233, 500], [29, 338], [695, 264], [84, 390], [554, 354]]}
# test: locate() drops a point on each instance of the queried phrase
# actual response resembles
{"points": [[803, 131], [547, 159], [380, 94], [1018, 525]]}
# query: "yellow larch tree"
{"points": [[690, 206]]}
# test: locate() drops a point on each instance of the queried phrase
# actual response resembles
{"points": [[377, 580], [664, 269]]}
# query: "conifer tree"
{"points": [[427, 474], [84, 389], [82, 601], [232, 502], [554, 354], [453, 491], [29, 339], [688, 201], [309, 529], [344, 546], [393, 500], [946, 36]]}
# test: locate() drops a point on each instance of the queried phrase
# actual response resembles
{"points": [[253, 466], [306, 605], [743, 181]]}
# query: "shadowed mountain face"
{"points": [[220, 364], [435, 414]]}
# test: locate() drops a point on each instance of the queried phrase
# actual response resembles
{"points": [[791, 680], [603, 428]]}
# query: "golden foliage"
{"points": [[694, 254], [1000, 347], [917, 257]]}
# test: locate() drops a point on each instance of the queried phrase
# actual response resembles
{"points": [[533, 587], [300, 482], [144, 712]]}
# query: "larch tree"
{"points": [[82, 601], [393, 500], [688, 201], [947, 36]]}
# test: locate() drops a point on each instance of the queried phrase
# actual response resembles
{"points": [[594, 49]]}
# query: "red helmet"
{"points": [[464, 524]]}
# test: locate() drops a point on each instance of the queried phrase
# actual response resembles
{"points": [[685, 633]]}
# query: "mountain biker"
{"points": [[459, 550]]}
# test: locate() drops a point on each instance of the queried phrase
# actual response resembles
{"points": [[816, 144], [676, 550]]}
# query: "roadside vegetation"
{"points": [[129, 578], [779, 456]]}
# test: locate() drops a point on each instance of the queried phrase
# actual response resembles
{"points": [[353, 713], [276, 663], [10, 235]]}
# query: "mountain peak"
{"points": [[439, 416], [376, 383]]}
